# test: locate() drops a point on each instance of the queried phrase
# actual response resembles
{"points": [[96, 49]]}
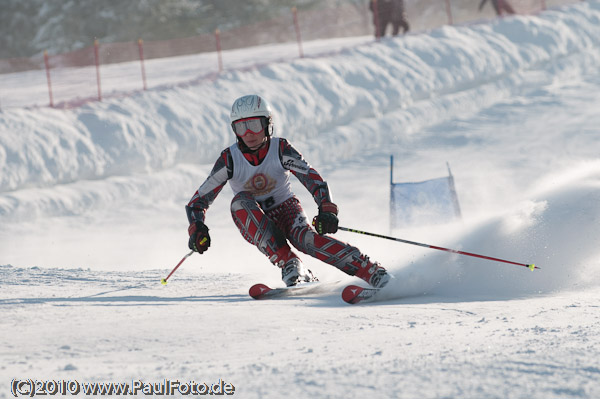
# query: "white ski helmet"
{"points": [[252, 106]]}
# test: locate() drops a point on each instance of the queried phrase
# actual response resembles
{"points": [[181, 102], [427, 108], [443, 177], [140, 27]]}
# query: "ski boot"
{"points": [[373, 273], [292, 270], [380, 278]]}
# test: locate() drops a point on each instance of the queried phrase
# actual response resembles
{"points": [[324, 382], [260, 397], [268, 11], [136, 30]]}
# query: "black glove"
{"points": [[326, 222], [199, 237]]}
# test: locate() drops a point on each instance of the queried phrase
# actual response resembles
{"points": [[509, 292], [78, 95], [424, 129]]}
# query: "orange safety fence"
{"points": [[119, 69]]}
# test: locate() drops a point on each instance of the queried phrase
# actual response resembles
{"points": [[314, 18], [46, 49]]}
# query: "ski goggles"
{"points": [[252, 125]]}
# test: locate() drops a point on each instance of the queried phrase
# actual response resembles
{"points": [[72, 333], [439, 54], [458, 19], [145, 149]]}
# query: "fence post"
{"points": [[97, 57], [141, 48], [449, 12], [218, 40], [47, 64], [297, 28], [543, 5], [376, 20]]}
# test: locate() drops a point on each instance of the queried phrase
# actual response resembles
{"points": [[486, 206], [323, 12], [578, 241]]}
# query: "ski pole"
{"points": [[454, 251], [164, 280]]}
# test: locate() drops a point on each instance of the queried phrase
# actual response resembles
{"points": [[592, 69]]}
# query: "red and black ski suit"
{"points": [[269, 222]]}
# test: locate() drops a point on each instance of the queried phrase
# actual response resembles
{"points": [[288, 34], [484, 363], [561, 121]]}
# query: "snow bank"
{"points": [[364, 98]]}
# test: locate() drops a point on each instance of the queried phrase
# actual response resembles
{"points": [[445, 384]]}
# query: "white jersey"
{"points": [[268, 182]]}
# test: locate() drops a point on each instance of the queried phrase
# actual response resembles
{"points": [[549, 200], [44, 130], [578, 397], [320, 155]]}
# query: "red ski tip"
{"points": [[351, 293], [258, 290]]}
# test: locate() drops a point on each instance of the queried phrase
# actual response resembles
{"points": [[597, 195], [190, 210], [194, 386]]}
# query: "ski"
{"points": [[263, 291], [354, 294]]}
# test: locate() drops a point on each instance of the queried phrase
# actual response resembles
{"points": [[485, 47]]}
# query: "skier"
{"points": [[264, 208], [387, 12]]}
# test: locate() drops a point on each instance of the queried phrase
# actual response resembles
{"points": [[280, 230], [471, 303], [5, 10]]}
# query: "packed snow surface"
{"points": [[92, 217]]}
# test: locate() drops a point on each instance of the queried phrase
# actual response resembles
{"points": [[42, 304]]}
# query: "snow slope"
{"points": [[91, 216]]}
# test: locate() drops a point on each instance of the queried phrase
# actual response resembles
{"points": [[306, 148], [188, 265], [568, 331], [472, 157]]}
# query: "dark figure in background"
{"points": [[387, 12], [500, 6]]}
